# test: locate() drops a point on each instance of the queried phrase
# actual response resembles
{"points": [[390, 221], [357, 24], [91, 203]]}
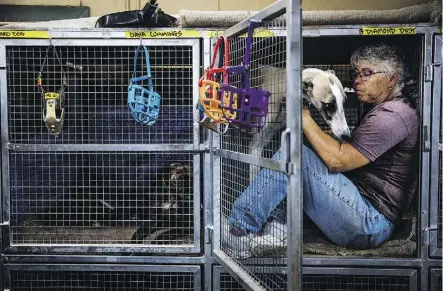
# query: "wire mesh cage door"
{"points": [[436, 214], [107, 182], [101, 277], [251, 159], [336, 279], [436, 279]]}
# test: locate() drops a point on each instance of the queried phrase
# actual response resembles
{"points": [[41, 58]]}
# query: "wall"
{"points": [[100, 7]]}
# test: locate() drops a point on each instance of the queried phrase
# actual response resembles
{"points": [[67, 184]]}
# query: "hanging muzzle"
{"points": [[53, 102], [212, 90], [251, 107], [144, 104]]}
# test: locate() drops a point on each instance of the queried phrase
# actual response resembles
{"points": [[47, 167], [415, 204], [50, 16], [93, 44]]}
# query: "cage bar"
{"points": [[434, 73]]}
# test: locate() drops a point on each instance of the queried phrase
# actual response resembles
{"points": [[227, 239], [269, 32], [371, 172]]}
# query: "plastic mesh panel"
{"points": [[332, 283], [63, 280], [105, 197], [96, 96]]}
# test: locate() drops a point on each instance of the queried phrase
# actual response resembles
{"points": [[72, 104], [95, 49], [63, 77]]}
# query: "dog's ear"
{"points": [[331, 71], [331, 81]]}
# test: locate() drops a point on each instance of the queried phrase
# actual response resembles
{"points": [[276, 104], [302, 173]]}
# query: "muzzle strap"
{"points": [[143, 104], [251, 107], [53, 102]]}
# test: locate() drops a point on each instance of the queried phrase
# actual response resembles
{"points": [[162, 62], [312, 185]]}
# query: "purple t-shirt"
{"points": [[387, 135]]}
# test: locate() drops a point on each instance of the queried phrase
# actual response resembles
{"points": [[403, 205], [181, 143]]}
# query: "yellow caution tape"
{"points": [[260, 33], [214, 33], [23, 34], [188, 33], [163, 34], [52, 95], [387, 30]]}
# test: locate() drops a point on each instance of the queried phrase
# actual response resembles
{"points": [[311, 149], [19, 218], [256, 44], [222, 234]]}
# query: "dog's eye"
{"points": [[328, 104], [330, 107]]}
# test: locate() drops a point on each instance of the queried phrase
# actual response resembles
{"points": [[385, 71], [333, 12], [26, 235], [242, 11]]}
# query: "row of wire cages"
{"points": [[100, 144]]}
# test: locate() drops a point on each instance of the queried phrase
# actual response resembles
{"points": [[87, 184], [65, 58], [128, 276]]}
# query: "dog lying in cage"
{"points": [[156, 197], [170, 214], [321, 88]]}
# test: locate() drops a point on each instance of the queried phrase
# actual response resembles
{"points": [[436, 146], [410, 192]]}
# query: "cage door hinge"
{"points": [[6, 223], [429, 71], [426, 234]]}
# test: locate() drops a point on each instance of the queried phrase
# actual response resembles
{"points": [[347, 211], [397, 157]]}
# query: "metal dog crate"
{"points": [[106, 183], [235, 167], [234, 159], [101, 277], [331, 279]]}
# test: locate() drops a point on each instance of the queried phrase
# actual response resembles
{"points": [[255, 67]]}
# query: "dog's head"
{"points": [[325, 91]]}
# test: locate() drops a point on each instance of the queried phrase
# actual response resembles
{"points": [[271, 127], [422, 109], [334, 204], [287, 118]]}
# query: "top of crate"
{"points": [[417, 19]]}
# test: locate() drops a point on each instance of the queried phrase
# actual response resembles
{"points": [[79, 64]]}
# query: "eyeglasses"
{"points": [[364, 74]]}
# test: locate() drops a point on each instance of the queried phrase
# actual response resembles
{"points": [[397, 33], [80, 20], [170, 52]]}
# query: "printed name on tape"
{"points": [[52, 95], [162, 34], [387, 30], [23, 34]]}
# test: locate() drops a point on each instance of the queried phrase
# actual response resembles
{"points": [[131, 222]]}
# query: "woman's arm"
{"points": [[337, 157]]}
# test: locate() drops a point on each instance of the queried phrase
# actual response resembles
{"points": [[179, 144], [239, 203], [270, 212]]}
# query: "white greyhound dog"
{"points": [[321, 88]]}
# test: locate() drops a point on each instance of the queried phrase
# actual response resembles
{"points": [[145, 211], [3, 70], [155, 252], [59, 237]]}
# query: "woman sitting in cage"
{"points": [[354, 191]]}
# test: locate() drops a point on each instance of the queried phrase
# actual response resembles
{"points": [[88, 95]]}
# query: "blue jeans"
{"points": [[331, 200]]}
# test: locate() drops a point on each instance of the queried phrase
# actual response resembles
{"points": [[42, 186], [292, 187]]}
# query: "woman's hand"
{"points": [[338, 157], [305, 112]]}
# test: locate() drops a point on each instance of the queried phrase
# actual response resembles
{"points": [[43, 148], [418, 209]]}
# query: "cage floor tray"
{"points": [[31, 233]]}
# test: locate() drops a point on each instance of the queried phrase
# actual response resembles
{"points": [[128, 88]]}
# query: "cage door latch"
{"points": [[429, 71], [426, 140], [286, 165], [426, 236], [209, 234]]}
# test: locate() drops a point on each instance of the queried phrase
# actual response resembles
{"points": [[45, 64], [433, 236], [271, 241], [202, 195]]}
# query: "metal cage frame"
{"points": [[95, 39], [435, 211], [427, 209], [411, 273], [428, 90], [194, 270]]}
